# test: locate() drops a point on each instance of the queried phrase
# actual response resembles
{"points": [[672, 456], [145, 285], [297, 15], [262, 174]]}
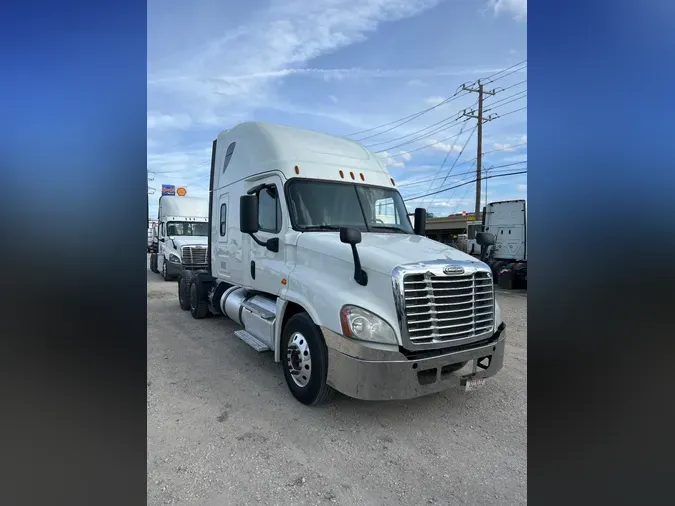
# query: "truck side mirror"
{"points": [[248, 214], [352, 236], [420, 221], [485, 239]]}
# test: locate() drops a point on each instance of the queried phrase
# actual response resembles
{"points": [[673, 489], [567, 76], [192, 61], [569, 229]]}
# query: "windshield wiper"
{"points": [[383, 227], [321, 227]]}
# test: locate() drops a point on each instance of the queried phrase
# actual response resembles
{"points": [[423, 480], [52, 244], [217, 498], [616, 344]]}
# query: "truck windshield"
{"points": [[187, 228], [324, 205]]}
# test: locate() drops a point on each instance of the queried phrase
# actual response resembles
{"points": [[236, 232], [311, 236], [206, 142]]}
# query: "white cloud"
{"points": [[521, 187], [333, 99], [415, 82], [390, 162], [503, 147], [224, 77], [443, 146], [515, 8], [434, 100], [168, 121], [406, 156]]}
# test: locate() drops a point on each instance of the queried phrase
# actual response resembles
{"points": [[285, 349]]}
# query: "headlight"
{"points": [[174, 258], [498, 315], [364, 325]]}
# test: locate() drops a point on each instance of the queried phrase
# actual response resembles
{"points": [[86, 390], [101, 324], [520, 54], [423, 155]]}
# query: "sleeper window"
{"points": [[223, 220]]}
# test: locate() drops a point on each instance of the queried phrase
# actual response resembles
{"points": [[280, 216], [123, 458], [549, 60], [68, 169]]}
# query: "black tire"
{"points": [[496, 267], [165, 272], [184, 291], [316, 391], [199, 306], [153, 263]]}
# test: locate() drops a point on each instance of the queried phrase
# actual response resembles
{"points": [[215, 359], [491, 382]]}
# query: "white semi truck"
{"points": [[301, 256], [181, 236], [507, 222]]}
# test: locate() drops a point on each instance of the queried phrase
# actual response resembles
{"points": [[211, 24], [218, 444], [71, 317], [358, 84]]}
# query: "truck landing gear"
{"points": [[304, 358]]}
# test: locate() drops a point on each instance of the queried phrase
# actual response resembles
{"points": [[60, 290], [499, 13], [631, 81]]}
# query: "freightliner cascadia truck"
{"points": [[180, 239], [311, 251]]}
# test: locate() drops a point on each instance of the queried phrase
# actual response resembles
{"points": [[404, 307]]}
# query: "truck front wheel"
{"points": [[184, 291], [304, 357]]}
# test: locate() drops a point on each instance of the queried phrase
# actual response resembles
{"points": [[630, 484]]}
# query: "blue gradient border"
{"points": [[601, 180]]}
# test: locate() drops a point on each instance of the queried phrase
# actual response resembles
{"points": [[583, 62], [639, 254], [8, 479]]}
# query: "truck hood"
{"points": [[381, 252], [190, 240]]}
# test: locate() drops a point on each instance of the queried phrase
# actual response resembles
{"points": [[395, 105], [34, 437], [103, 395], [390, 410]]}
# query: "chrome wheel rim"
{"points": [[299, 359]]}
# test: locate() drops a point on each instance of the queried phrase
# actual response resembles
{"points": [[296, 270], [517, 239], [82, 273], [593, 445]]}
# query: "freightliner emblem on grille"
{"points": [[453, 269]]}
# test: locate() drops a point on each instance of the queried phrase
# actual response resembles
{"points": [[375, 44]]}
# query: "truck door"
{"points": [[267, 268]]}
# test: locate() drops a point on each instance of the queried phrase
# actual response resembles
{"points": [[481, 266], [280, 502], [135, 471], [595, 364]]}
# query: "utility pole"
{"points": [[479, 116]]}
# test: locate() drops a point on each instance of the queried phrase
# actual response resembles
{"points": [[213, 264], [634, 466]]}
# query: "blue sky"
{"points": [[341, 66]]}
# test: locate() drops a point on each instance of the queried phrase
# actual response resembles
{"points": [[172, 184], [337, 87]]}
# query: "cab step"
{"points": [[251, 341]]}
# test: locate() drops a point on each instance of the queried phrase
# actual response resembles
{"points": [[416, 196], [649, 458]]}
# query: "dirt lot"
{"points": [[224, 429]]}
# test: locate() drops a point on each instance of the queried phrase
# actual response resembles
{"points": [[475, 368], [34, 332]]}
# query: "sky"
{"points": [[344, 67]]}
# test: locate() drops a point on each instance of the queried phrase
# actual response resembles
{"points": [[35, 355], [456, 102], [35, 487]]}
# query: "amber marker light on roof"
{"points": [[342, 174], [363, 178], [297, 169], [352, 174], [392, 181]]}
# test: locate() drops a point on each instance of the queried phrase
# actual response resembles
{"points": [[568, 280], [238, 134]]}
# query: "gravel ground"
{"points": [[224, 429]]}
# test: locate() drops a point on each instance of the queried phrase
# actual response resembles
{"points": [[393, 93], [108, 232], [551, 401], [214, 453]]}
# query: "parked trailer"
{"points": [[302, 259]]}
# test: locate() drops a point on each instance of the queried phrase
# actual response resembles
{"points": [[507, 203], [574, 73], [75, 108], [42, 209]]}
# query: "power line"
{"points": [[405, 185], [456, 159], [510, 112], [418, 149], [489, 81], [411, 116], [424, 111], [510, 101], [500, 89], [464, 184], [506, 98], [448, 119], [504, 70], [415, 116]]}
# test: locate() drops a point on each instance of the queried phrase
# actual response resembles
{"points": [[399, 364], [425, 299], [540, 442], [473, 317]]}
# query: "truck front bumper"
{"points": [[367, 372]]}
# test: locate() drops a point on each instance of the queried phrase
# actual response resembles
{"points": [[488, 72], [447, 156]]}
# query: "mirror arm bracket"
{"points": [[360, 276]]}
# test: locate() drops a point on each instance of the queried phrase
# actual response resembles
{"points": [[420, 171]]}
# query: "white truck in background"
{"points": [[180, 241], [507, 222], [311, 251]]}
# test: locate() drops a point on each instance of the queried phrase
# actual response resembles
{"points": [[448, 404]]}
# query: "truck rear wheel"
{"points": [[199, 305], [304, 357], [184, 291]]}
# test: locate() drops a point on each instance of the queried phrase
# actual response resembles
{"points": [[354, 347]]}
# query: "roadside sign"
{"points": [[181, 192], [168, 189]]}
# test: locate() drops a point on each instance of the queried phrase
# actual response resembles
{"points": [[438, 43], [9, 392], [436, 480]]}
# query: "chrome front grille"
{"points": [[447, 308], [194, 255]]}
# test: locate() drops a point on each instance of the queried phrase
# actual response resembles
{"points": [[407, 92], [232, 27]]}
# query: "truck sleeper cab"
{"points": [[312, 252]]}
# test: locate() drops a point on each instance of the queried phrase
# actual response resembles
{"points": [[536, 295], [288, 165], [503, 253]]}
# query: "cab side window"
{"points": [[223, 220], [269, 210]]}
